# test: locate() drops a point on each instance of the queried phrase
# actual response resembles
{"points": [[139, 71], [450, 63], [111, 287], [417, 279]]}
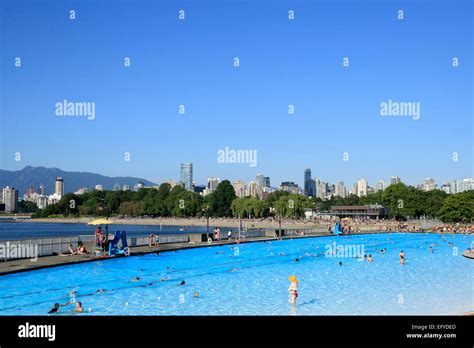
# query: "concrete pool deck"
{"points": [[24, 265]]}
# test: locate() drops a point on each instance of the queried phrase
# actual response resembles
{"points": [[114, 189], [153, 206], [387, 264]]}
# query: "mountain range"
{"points": [[36, 176]]}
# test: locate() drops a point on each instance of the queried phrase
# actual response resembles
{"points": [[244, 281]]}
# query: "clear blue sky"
{"points": [[282, 62]]}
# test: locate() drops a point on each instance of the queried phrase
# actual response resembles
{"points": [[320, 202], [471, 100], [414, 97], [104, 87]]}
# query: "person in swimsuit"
{"points": [[56, 307], [293, 289], [79, 308], [402, 257], [70, 250]]}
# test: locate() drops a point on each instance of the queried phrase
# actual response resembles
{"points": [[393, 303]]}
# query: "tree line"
{"points": [[402, 201]]}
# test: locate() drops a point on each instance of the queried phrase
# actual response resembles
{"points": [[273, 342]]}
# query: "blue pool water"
{"points": [[429, 283]]}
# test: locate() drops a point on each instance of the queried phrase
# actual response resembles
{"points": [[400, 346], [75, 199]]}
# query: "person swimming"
{"points": [[196, 294], [340, 263], [136, 279], [369, 259], [79, 308], [56, 307], [182, 282]]}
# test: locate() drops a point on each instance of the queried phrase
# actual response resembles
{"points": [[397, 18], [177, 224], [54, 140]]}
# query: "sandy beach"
{"points": [[219, 222]]}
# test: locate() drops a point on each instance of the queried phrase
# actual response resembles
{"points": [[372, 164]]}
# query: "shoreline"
{"points": [[218, 222]]}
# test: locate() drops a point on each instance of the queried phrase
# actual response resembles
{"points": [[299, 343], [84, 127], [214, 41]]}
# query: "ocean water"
{"points": [[252, 279], [31, 230]]}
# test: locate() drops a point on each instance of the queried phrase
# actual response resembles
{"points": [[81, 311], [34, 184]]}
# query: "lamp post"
{"points": [[206, 212], [103, 206]]}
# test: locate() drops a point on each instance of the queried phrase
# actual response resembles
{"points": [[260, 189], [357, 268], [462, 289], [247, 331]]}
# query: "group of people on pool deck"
{"points": [[153, 240], [81, 249]]}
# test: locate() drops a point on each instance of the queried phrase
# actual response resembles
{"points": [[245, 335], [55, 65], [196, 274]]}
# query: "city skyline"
{"points": [[359, 187], [293, 98]]}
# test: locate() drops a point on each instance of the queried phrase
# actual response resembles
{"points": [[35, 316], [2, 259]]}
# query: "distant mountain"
{"points": [[35, 176]]}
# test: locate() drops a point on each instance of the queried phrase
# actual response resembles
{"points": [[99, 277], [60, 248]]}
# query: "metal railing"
{"points": [[46, 246]]}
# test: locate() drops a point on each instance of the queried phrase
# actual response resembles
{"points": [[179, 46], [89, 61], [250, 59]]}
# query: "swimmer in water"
{"points": [[369, 259], [100, 291], [340, 263], [234, 269], [136, 279], [196, 294], [297, 260], [56, 307], [402, 257], [79, 308], [163, 279], [182, 282], [430, 249]]}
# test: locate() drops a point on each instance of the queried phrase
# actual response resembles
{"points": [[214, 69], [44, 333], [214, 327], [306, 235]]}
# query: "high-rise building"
{"points": [[468, 184], [59, 187], [30, 191], [81, 191], [117, 187], [394, 180], [309, 184], [212, 184], [239, 188], [126, 187], [10, 199], [340, 189], [429, 184], [321, 188], [263, 184], [187, 175], [260, 180], [41, 190], [267, 181], [457, 186], [362, 187], [354, 189], [98, 187], [290, 187], [41, 201], [252, 189], [380, 186]]}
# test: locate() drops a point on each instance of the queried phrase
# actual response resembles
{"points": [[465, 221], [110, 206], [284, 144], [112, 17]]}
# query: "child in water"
{"points": [[293, 289]]}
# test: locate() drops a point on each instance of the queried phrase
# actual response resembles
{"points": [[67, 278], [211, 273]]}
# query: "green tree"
{"points": [[458, 208], [293, 205], [26, 207], [222, 198]]}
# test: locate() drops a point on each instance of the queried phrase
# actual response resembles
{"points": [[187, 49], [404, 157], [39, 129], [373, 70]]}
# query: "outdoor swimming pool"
{"points": [[429, 283]]}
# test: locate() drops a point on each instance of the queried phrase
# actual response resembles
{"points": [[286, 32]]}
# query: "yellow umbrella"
{"points": [[101, 221]]}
